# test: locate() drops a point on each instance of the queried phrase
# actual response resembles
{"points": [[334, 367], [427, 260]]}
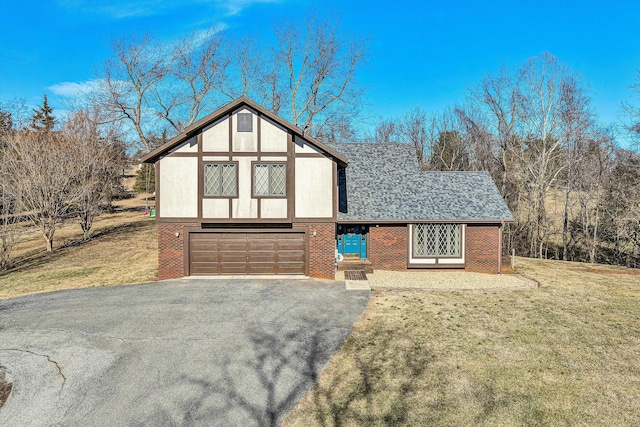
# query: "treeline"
{"points": [[574, 193], [50, 174]]}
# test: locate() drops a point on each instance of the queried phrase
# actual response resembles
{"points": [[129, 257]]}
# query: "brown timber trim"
{"points": [[460, 266], [291, 178], [230, 133], [313, 220], [311, 155], [244, 153], [259, 144], [157, 187], [182, 155], [200, 174], [335, 192]]}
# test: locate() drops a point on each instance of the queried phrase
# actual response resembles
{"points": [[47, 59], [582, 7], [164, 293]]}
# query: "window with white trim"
{"points": [[220, 179], [269, 179], [436, 240]]}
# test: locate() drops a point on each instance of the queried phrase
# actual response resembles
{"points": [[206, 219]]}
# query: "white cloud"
{"points": [[120, 9], [71, 89]]}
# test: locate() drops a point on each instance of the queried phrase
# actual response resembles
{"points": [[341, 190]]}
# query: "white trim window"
{"points": [[436, 243]]}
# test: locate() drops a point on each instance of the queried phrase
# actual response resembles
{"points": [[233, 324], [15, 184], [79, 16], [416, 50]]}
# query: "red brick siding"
{"points": [[388, 247], [322, 249], [171, 250], [482, 253]]}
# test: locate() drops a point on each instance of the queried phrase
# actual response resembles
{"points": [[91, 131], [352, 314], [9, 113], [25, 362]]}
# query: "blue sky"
{"points": [[422, 53]]}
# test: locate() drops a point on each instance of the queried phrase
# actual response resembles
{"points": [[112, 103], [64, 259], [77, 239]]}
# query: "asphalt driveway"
{"points": [[179, 352]]}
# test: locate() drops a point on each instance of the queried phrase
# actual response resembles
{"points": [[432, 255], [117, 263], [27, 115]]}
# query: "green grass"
{"points": [[564, 354]]}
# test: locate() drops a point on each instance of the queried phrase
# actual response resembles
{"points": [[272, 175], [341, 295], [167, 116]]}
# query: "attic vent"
{"points": [[245, 122]]}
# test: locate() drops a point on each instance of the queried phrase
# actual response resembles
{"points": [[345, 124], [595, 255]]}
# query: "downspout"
{"points": [[500, 247]]}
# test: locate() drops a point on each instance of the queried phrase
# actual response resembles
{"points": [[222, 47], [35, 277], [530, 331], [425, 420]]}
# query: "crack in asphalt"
{"points": [[130, 339], [64, 378]]}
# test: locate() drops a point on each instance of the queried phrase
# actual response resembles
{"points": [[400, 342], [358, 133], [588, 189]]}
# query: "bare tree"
{"points": [[632, 113], [99, 158], [317, 64], [42, 171], [417, 129], [130, 81], [9, 218], [196, 74]]}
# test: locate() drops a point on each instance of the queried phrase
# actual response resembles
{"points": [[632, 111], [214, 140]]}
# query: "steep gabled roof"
{"points": [[385, 183], [196, 127]]}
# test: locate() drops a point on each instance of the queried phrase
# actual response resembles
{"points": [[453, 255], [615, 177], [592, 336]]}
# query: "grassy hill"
{"points": [[122, 249]]}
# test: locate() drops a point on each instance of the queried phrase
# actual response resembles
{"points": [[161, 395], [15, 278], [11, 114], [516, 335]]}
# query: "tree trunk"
{"points": [[565, 224], [592, 257]]}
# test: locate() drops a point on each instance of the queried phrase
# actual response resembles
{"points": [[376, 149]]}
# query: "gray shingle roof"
{"points": [[384, 182]]}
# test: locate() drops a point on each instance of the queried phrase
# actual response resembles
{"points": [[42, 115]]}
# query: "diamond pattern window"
{"points": [[270, 179], [220, 179], [433, 240]]}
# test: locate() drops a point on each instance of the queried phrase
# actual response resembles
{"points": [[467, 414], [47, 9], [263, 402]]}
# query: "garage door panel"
{"points": [[201, 268], [247, 253], [291, 268], [233, 268], [290, 257], [269, 257], [204, 257], [262, 245]]}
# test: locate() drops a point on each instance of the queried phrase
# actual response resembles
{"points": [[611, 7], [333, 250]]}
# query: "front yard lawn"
{"points": [[564, 354]]}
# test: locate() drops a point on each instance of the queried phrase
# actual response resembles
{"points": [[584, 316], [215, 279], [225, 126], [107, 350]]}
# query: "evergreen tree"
{"points": [[43, 119]]}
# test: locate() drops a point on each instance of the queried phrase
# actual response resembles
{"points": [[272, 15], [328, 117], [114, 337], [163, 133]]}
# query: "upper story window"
{"points": [[436, 240], [269, 179], [245, 122], [221, 179]]}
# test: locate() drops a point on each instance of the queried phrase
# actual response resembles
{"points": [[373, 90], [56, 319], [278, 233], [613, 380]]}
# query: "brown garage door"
{"points": [[247, 253]]}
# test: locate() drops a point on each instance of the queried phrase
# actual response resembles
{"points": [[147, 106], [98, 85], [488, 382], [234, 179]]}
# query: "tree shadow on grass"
{"points": [[41, 257]]}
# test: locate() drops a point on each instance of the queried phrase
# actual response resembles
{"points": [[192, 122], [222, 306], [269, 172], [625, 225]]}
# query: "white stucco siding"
{"points": [[244, 206], [245, 141], [314, 187], [273, 208], [189, 146], [215, 208], [179, 187], [215, 137], [302, 146], [273, 137]]}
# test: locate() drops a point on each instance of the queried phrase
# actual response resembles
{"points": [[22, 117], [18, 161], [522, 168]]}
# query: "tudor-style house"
{"points": [[244, 192]]}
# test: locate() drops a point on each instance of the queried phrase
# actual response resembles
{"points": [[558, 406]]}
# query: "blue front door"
{"points": [[352, 240]]}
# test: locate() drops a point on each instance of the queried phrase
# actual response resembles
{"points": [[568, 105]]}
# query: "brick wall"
{"points": [[171, 250], [482, 253], [322, 249], [388, 247]]}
